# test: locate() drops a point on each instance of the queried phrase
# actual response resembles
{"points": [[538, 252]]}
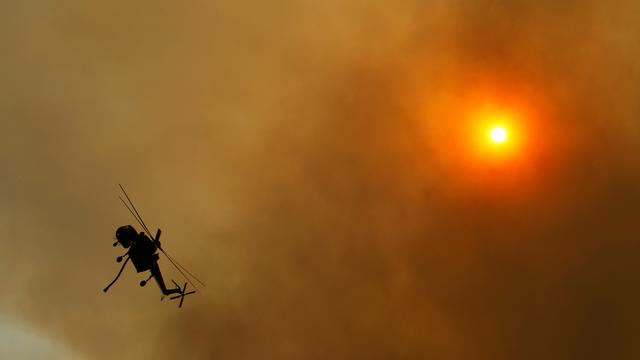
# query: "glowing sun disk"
{"points": [[498, 135]]}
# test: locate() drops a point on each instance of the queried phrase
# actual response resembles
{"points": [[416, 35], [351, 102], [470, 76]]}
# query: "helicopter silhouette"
{"points": [[143, 253]]}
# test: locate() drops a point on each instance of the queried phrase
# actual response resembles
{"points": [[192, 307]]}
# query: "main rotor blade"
{"points": [[176, 266], [184, 268], [131, 211], [137, 213]]}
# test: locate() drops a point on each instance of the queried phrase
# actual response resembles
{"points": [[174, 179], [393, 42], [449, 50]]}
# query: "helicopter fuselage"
{"points": [[143, 253]]}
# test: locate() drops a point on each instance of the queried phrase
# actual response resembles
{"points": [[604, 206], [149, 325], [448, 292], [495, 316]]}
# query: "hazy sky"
{"points": [[308, 160]]}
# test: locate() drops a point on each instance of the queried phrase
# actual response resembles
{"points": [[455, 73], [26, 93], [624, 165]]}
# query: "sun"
{"points": [[498, 135]]}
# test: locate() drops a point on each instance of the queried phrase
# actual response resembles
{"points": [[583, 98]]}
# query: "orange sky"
{"points": [[323, 167]]}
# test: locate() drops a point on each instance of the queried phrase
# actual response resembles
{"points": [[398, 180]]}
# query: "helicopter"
{"points": [[142, 250]]}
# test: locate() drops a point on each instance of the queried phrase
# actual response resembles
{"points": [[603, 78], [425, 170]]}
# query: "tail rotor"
{"points": [[182, 294]]}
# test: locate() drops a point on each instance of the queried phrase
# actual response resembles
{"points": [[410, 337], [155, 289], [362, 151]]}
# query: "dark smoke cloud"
{"points": [[299, 159]]}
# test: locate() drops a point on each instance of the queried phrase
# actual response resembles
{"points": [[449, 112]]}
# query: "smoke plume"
{"points": [[302, 159]]}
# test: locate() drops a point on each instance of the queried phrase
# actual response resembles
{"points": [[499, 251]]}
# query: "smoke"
{"points": [[302, 159]]}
